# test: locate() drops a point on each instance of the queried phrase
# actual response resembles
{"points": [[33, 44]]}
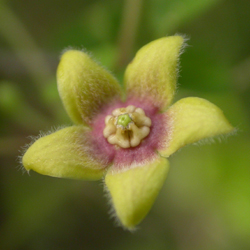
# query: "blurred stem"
{"points": [[241, 75], [129, 27], [22, 43], [13, 104]]}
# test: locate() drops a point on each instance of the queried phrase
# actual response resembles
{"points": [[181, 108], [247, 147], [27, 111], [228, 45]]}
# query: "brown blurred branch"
{"points": [[129, 27], [23, 44]]}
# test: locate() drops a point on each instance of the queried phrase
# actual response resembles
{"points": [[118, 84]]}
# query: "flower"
{"points": [[125, 136]]}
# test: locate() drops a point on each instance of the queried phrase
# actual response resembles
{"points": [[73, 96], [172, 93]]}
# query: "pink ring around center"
{"points": [[145, 151]]}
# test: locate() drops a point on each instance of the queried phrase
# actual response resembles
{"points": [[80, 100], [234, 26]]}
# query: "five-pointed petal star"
{"points": [[125, 136]]}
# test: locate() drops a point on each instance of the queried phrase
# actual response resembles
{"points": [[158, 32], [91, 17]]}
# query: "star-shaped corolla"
{"points": [[125, 136]]}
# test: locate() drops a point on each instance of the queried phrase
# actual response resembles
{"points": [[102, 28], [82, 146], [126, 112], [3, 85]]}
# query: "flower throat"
{"points": [[127, 127]]}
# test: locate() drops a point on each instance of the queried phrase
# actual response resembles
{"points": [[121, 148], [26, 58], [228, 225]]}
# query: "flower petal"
{"points": [[153, 71], [134, 191], [84, 86], [192, 119], [64, 154]]}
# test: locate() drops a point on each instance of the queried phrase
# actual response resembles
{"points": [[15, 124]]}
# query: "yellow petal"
{"points": [[84, 86], [134, 191], [192, 119], [153, 72], [64, 154]]}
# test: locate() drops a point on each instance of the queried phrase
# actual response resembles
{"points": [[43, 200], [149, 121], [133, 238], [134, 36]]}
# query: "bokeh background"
{"points": [[205, 202]]}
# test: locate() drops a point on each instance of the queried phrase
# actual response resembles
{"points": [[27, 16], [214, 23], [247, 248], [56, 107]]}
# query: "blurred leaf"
{"points": [[51, 98], [13, 104], [30, 212], [167, 16], [203, 70], [93, 25]]}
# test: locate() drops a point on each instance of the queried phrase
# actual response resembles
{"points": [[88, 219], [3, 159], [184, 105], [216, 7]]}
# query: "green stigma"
{"points": [[123, 120]]}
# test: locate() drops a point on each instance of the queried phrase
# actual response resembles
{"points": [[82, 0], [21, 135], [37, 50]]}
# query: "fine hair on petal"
{"points": [[218, 138], [112, 212], [33, 139]]}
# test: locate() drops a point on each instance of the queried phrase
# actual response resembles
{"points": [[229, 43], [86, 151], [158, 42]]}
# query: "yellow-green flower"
{"points": [[124, 136]]}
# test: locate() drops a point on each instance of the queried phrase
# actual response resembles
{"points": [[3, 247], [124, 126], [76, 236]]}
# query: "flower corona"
{"points": [[127, 127]]}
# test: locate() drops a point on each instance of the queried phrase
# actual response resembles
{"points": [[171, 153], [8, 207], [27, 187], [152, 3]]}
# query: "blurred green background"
{"points": [[205, 202]]}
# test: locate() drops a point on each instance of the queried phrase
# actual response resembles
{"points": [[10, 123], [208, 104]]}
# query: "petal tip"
{"points": [[134, 191], [194, 119], [154, 70], [84, 86], [64, 154]]}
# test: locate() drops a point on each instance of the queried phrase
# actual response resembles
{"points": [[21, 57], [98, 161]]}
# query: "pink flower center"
{"points": [[121, 157]]}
